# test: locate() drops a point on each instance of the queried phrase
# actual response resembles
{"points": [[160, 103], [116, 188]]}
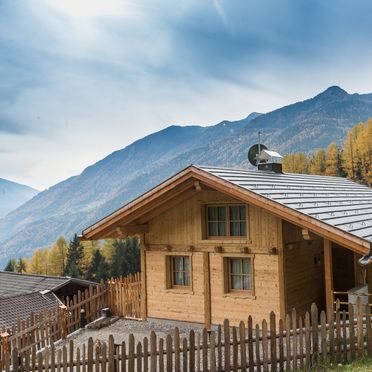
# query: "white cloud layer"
{"points": [[83, 78]]}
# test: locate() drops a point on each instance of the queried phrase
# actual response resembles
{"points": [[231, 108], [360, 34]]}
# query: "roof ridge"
{"points": [[35, 275]]}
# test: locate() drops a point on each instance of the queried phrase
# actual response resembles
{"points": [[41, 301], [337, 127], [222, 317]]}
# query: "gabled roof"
{"points": [[12, 284], [334, 208], [21, 306]]}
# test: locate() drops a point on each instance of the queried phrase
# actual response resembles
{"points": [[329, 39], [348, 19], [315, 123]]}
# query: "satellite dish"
{"points": [[254, 151]]}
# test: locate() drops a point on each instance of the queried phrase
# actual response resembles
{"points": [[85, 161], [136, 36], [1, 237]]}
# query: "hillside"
{"points": [[71, 205], [13, 195]]}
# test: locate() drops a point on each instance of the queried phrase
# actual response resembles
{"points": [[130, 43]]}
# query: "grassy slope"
{"points": [[361, 365]]}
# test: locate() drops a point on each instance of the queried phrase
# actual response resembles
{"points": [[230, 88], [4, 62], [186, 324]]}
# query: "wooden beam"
{"points": [[207, 292], [143, 278], [281, 268], [328, 274], [197, 186]]}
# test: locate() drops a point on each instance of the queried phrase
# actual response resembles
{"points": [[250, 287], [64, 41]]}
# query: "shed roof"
{"points": [[336, 201], [12, 284], [21, 306]]}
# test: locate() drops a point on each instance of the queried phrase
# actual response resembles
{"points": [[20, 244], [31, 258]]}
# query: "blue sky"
{"points": [[82, 78]]}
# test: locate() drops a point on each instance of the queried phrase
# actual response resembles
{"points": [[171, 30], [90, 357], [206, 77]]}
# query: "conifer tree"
{"points": [[75, 254], [11, 265], [98, 268], [333, 165], [126, 257]]}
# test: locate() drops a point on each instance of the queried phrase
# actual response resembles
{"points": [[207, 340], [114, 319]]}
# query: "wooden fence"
{"points": [[291, 344], [42, 330], [124, 296]]}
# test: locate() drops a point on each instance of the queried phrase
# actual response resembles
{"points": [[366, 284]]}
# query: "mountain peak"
{"points": [[333, 91]]}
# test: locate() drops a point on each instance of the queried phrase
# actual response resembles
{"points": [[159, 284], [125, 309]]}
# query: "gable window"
{"points": [[180, 271], [227, 220], [240, 274]]}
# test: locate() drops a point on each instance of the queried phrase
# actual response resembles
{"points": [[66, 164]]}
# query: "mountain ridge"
{"points": [[13, 195], [75, 203]]}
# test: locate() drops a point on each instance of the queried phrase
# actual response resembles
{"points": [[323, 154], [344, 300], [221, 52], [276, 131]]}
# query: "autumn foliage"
{"points": [[353, 159]]}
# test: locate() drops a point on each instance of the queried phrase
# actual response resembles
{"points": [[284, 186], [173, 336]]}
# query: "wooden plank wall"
{"points": [[174, 231], [304, 270]]}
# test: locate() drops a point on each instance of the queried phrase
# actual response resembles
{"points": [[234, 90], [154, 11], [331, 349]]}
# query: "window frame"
{"points": [[227, 221], [169, 278], [226, 267], [230, 274], [173, 271]]}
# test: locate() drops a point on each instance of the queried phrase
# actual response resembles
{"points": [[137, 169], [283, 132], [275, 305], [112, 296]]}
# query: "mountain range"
{"points": [[75, 203], [13, 195]]}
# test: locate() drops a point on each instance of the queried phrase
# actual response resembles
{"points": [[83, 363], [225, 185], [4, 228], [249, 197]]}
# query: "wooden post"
{"points": [[369, 282], [328, 268], [207, 291], [63, 314], [143, 277], [4, 344]]}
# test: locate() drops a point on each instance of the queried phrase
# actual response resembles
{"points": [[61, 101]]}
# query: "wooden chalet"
{"points": [[222, 243]]}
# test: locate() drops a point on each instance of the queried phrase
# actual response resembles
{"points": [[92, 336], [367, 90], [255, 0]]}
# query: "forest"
{"points": [[352, 160], [90, 260]]}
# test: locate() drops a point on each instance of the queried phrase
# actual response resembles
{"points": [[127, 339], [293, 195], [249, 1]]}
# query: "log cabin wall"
{"points": [[304, 270], [180, 231]]}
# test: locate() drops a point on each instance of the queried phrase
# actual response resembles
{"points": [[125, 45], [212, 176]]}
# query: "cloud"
{"points": [[9, 126], [82, 78]]}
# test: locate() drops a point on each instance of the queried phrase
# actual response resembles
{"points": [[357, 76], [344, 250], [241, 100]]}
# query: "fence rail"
{"points": [[40, 331], [293, 343]]}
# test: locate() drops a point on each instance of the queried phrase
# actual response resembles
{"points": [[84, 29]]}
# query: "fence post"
{"points": [[360, 326], [63, 314], [273, 342], [15, 359], [314, 328], [4, 343]]}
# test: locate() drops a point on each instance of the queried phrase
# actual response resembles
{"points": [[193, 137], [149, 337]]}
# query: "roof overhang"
{"points": [[183, 185]]}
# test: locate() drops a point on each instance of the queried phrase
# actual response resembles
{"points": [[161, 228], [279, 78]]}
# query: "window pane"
{"points": [[213, 228], [187, 278], [234, 213], [242, 213], [178, 263], [246, 266], [221, 213], [212, 214], [222, 229], [178, 278], [234, 229], [236, 282], [247, 282], [186, 263], [243, 228], [236, 266]]}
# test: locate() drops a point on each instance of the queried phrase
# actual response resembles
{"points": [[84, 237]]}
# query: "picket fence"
{"points": [[121, 295], [294, 343]]}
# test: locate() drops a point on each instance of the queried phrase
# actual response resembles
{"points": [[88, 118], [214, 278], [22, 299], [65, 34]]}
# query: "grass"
{"points": [[360, 365]]}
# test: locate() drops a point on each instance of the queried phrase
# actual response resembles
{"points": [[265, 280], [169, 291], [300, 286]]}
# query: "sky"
{"points": [[80, 79]]}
